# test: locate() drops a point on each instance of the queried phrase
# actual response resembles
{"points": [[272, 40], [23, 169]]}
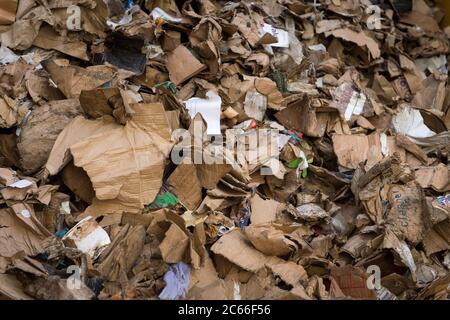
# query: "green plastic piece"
{"points": [[295, 163], [280, 79], [305, 173], [163, 200], [169, 85]]}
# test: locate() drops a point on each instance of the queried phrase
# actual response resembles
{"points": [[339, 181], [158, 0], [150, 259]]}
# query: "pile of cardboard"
{"points": [[351, 204]]}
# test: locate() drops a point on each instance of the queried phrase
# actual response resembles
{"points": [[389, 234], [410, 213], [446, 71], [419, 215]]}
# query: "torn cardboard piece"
{"points": [[129, 166], [8, 11], [137, 151], [351, 150], [182, 65], [71, 80]]}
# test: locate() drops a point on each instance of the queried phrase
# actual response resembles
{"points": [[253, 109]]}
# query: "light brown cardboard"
{"points": [[12, 288], [263, 211], [10, 112], [48, 38], [270, 240], [352, 282], [186, 185], [236, 248], [21, 232], [289, 272], [135, 156], [435, 177], [403, 142], [353, 94], [55, 288], [77, 180], [425, 22], [301, 117], [48, 121], [360, 38], [204, 284], [71, 80], [39, 87], [8, 11], [77, 130], [401, 249], [407, 212], [411, 74], [118, 258], [437, 239], [248, 28], [351, 150]]}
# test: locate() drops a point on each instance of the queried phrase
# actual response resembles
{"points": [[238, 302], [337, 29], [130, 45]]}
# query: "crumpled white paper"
{"points": [[410, 123]]}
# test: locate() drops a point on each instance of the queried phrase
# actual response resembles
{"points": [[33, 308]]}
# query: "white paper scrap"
{"points": [[410, 122], [21, 184], [281, 35], [160, 13], [355, 105]]}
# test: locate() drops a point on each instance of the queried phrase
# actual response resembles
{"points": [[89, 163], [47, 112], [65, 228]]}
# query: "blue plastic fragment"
{"points": [[61, 233]]}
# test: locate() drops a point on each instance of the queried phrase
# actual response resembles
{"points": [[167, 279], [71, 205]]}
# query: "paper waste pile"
{"points": [[209, 149]]}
